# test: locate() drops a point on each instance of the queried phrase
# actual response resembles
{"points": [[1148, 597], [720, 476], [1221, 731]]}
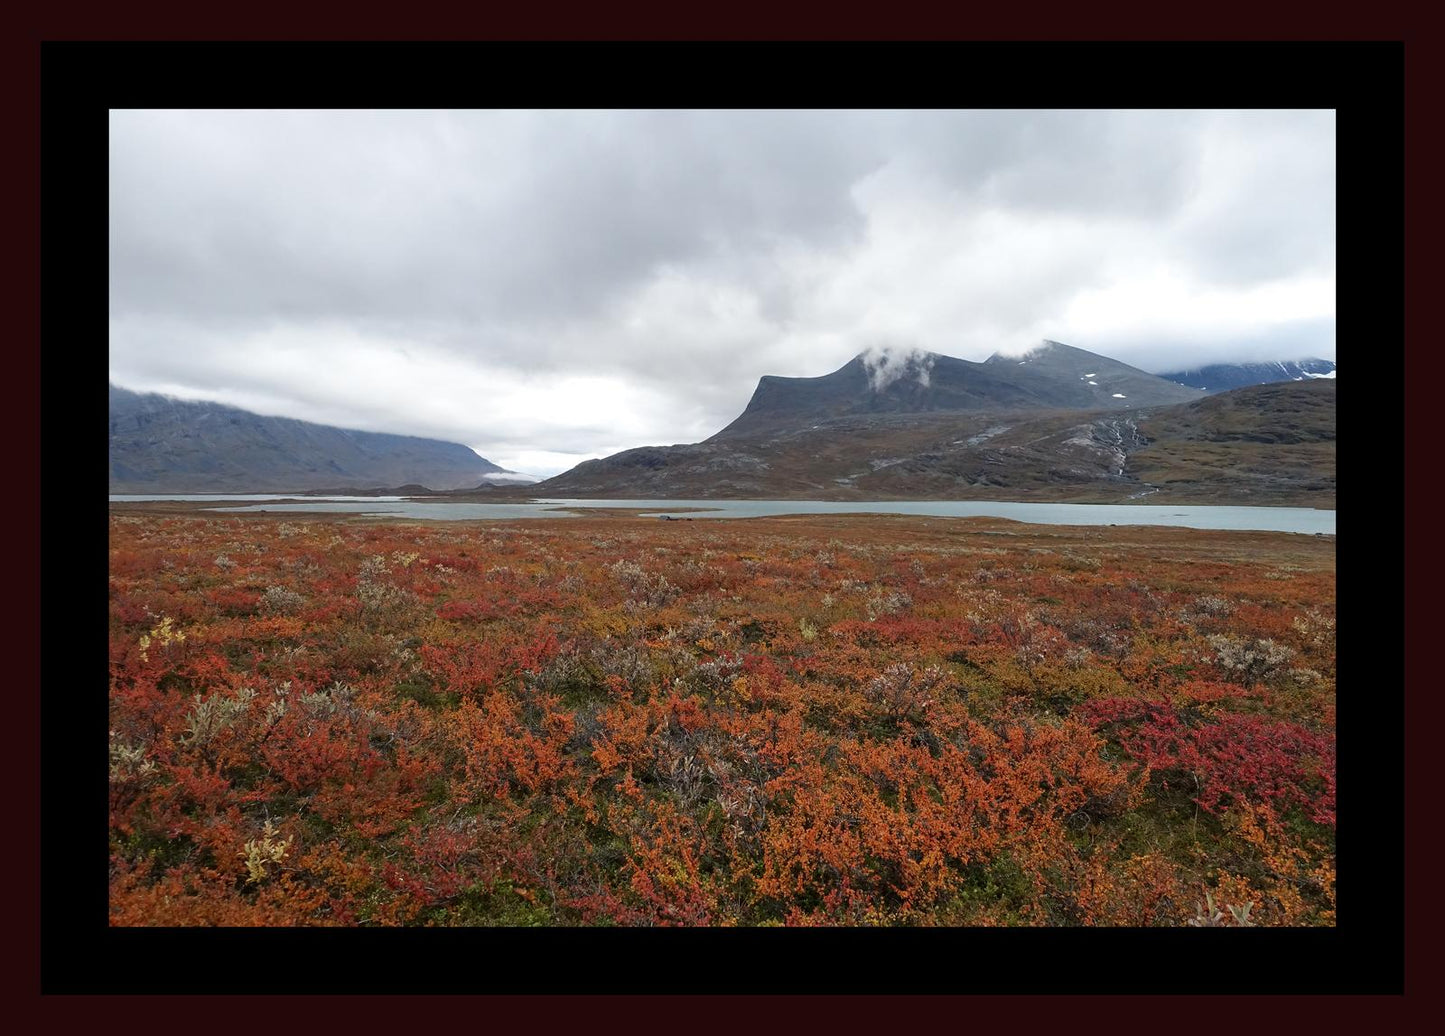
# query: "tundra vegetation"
{"points": [[800, 721]]}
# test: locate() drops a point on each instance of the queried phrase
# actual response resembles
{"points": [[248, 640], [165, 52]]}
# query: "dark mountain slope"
{"points": [[916, 384], [1266, 444], [160, 444], [1053, 376], [1221, 377], [1273, 445], [1077, 378]]}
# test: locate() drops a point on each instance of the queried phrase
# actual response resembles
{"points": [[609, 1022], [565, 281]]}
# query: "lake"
{"points": [[1266, 519]]}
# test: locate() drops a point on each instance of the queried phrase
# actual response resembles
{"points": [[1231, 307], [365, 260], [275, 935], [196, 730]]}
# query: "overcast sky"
{"points": [[551, 286]]}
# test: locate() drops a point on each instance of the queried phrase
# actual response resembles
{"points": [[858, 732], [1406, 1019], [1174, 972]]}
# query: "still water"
{"points": [[1268, 519]]}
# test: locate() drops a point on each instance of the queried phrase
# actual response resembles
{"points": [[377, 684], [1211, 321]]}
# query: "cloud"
{"points": [[553, 284], [886, 364]]}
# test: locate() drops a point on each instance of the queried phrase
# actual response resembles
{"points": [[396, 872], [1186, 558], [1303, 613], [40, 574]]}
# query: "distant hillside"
{"points": [[162, 445], [1221, 377], [826, 444], [1266, 444]]}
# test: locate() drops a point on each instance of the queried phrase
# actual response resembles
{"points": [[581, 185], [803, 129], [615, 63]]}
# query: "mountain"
{"points": [[1053, 376], [1020, 427], [162, 445], [1263, 444], [1220, 377]]}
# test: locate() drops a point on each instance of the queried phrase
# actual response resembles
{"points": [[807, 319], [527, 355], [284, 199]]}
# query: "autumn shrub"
{"points": [[812, 722], [281, 600], [1251, 661], [902, 692], [1232, 757]]}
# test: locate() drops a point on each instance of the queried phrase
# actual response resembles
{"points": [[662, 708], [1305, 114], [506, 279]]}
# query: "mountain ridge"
{"points": [[159, 443], [1220, 377], [936, 427], [1054, 376]]}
